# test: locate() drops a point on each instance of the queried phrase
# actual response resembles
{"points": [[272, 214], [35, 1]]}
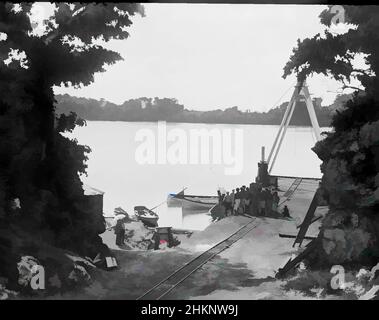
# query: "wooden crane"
{"points": [[301, 89]]}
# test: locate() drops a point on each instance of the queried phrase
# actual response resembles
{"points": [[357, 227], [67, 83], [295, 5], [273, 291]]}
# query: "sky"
{"points": [[211, 56]]}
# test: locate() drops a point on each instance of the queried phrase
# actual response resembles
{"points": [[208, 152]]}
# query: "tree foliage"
{"points": [[350, 153], [38, 165], [333, 54]]}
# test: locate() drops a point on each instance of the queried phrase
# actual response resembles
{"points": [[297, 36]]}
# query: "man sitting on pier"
{"points": [[286, 212]]}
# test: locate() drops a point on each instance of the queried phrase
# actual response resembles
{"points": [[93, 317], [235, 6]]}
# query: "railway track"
{"points": [[291, 190], [164, 287]]}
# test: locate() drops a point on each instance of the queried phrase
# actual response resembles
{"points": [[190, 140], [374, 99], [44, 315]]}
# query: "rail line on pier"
{"points": [[291, 190], [174, 279]]}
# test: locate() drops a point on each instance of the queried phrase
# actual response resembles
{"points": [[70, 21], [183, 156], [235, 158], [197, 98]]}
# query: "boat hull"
{"points": [[173, 202], [150, 222], [148, 217], [192, 201]]}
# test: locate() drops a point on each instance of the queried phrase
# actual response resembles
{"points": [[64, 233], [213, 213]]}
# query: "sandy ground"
{"points": [[246, 270], [138, 272]]}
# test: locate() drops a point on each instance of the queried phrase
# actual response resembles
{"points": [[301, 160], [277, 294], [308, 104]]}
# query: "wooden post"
{"points": [[312, 113], [307, 220], [282, 125], [292, 108]]}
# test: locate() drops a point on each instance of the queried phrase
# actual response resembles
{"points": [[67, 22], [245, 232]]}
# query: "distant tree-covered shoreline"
{"points": [[170, 110]]}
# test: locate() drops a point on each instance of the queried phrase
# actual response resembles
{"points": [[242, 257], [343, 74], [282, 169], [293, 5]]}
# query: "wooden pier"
{"points": [[299, 194], [295, 192]]}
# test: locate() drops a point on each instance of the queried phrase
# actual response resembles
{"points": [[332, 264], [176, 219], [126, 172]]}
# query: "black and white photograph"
{"points": [[189, 151]]}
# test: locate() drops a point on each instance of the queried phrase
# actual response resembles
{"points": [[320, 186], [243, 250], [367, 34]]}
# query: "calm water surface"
{"points": [[112, 166]]}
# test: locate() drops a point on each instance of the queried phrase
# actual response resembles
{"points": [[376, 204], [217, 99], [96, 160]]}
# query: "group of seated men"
{"points": [[256, 201]]}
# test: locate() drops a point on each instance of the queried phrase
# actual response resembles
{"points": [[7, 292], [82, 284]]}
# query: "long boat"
{"points": [[191, 201]]}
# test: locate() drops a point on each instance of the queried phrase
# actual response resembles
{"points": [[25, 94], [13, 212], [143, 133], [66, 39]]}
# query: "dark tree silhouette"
{"points": [[350, 154], [333, 54], [145, 109], [38, 166]]}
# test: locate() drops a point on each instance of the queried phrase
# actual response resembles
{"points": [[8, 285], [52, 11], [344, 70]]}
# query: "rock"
{"points": [[363, 275], [15, 204], [371, 294], [120, 211], [138, 236], [86, 263], [354, 146], [342, 245], [79, 275], [374, 273], [6, 294], [369, 134], [55, 282], [3, 294], [27, 269]]}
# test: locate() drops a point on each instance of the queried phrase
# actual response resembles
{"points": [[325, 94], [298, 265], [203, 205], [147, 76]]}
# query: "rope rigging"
{"points": [[301, 89]]}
